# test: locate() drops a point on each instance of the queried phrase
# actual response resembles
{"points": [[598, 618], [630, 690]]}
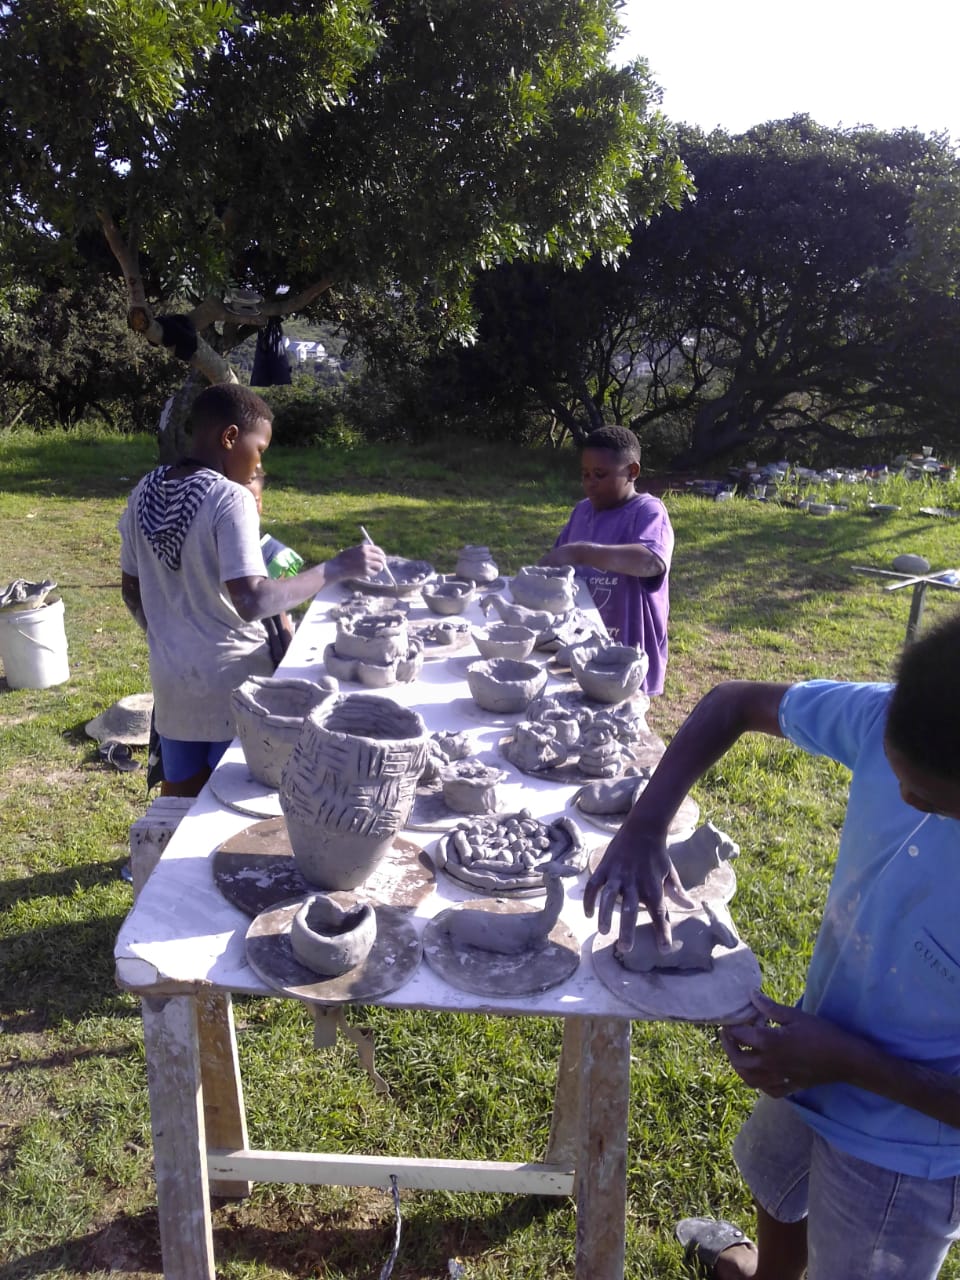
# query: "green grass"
{"points": [[758, 591]]}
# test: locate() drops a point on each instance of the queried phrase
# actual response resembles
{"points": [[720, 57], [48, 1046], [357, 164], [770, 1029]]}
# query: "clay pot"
{"points": [[448, 594], [504, 641], [376, 638], [475, 562], [609, 674], [540, 586], [504, 685], [471, 787], [349, 785], [333, 933], [269, 713]]}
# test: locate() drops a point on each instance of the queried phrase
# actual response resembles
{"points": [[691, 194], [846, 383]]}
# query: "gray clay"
{"points": [[608, 673], [471, 787], [537, 746], [269, 712], [909, 563], [537, 620], [356, 603], [443, 749], [694, 941], [503, 686], [448, 594], [333, 933], [494, 854], [448, 632], [501, 640], [538, 586], [601, 753], [616, 796], [701, 853], [511, 935], [374, 649], [474, 561]]}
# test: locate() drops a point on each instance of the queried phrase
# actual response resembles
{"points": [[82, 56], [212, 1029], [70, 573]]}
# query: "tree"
{"points": [[288, 147]]}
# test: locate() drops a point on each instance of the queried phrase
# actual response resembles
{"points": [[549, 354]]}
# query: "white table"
{"points": [[181, 949]]}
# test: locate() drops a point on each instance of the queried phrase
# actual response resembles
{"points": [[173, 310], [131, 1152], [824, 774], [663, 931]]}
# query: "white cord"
{"points": [[387, 1271]]}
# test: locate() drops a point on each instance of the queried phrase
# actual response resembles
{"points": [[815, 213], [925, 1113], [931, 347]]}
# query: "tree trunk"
{"points": [[172, 438]]}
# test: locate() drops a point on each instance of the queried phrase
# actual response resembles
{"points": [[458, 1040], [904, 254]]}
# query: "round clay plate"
{"points": [[433, 649], [486, 973], [235, 786], [646, 751], [720, 995], [684, 821], [392, 961], [409, 577], [255, 870], [719, 886]]}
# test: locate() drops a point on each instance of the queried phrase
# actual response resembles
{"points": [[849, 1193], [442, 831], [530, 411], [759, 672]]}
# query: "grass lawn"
{"points": [[758, 591]]}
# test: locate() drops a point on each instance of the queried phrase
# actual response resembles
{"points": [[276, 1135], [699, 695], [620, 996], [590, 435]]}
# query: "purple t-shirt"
{"points": [[634, 610]]}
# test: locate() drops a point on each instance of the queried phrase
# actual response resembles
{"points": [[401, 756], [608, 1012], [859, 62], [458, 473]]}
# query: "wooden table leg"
{"points": [[563, 1144], [224, 1116], [179, 1139], [602, 1159]]}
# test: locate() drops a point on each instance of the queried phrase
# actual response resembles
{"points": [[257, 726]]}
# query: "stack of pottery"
{"points": [[349, 785], [375, 649], [549, 587], [269, 712]]}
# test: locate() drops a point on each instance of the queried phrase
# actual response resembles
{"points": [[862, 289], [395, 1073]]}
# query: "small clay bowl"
{"points": [[448, 595], [333, 933], [504, 641], [269, 712], [503, 685]]}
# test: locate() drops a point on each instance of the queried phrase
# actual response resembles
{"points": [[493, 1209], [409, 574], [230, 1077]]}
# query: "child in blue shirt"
{"points": [[853, 1150]]}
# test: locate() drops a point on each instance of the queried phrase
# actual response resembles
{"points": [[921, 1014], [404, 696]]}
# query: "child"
{"points": [[193, 577], [279, 561], [622, 541], [852, 1152]]}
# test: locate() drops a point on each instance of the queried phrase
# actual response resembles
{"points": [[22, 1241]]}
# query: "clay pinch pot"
{"points": [[269, 712], [501, 640], [541, 586], [609, 673], [469, 786], [448, 594], [349, 786], [503, 685], [333, 933], [474, 562]]}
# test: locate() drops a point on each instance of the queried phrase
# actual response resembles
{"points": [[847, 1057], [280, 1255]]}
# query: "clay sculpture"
{"points": [[694, 940], [349, 786], [333, 933], [615, 796], [443, 749], [511, 935], [375, 649], [475, 562], [551, 587], [508, 853], [601, 754], [570, 629], [537, 620], [400, 578], [608, 672], [536, 746], [698, 855], [357, 602], [503, 685], [448, 594], [470, 786], [269, 712], [504, 641]]}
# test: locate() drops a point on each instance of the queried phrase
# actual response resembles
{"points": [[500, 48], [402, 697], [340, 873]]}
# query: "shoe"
{"points": [[118, 755], [704, 1239]]}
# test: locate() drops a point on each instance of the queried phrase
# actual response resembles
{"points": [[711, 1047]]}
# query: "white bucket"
{"points": [[33, 646]]}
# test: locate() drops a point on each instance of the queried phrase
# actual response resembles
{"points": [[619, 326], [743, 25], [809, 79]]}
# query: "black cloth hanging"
{"points": [[271, 368]]}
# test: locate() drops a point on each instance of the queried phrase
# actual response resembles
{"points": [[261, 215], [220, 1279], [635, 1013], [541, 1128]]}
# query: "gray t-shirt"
{"points": [[200, 647]]}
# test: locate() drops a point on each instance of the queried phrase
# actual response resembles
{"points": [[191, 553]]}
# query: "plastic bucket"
{"points": [[33, 646]]}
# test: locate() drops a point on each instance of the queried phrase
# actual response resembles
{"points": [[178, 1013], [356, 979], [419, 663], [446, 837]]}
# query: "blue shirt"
{"points": [[886, 964]]}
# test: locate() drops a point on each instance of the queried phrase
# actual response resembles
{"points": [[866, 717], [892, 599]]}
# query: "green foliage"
{"points": [[307, 414]]}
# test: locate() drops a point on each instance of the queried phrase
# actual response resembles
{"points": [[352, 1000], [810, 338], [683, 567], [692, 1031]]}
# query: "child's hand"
{"points": [[363, 561]]}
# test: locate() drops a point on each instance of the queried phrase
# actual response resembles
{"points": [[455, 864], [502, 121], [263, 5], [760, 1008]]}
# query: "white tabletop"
{"points": [[182, 934]]}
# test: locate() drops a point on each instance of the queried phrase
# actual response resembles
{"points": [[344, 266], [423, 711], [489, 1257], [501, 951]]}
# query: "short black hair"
{"points": [[923, 720], [618, 440], [226, 404]]}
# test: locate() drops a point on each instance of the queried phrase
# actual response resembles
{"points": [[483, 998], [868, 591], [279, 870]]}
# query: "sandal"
{"points": [[704, 1239], [118, 755]]}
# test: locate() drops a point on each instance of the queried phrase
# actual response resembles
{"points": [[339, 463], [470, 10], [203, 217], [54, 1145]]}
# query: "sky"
{"points": [[737, 63]]}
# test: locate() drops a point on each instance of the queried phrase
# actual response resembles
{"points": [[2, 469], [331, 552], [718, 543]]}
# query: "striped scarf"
{"points": [[166, 510]]}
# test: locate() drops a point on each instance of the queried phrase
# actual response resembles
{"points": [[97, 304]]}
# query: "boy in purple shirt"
{"points": [[621, 541]]}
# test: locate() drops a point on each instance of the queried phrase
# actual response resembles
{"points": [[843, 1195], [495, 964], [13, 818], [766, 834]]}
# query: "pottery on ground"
{"points": [[540, 586], [501, 640], [349, 785], [448, 594], [609, 673], [476, 563], [504, 685], [269, 712], [333, 933]]}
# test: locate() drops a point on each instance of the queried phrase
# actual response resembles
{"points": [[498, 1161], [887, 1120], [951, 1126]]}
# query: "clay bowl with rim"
{"points": [[501, 640], [609, 674], [448, 594], [333, 933], [269, 712], [504, 685]]}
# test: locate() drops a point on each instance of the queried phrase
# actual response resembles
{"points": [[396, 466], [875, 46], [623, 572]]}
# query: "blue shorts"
{"points": [[183, 760], [863, 1222]]}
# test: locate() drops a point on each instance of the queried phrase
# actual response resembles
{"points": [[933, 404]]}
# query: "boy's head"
{"points": [[609, 466], [922, 738], [231, 428]]}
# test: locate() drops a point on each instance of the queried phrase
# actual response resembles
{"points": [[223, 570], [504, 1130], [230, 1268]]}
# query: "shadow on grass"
{"points": [[128, 1245]]}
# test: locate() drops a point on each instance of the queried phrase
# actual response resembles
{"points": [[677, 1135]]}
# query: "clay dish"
{"points": [[332, 933], [539, 586], [269, 714], [503, 685], [448, 594], [610, 674], [504, 641], [408, 577]]}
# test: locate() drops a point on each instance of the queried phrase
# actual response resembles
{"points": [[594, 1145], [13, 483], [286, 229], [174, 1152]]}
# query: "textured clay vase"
{"points": [[332, 933], [349, 785], [503, 685], [269, 713], [475, 562], [540, 586]]}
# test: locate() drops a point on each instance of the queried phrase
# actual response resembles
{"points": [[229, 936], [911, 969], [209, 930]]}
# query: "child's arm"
{"points": [[631, 558], [261, 597], [130, 592]]}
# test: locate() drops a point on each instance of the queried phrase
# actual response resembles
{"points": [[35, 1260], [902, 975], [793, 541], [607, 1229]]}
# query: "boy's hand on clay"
{"points": [[785, 1049], [636, 871], [556, 556], [363, 561]]}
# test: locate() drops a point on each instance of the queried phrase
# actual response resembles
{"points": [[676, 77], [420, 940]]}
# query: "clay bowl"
{"points": [[269, 713], [611, 674], [405, 578], [333, 933], [504, 641], [504, 685], [448, 595]]}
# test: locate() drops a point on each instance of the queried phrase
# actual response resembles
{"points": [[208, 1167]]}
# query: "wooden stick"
{"points": [[386, 567]]}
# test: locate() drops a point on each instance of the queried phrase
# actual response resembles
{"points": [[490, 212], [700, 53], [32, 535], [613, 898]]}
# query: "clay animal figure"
{"points": [[693, 942], [511, 935], [515, 614], [617, 795], [698, 855]]}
